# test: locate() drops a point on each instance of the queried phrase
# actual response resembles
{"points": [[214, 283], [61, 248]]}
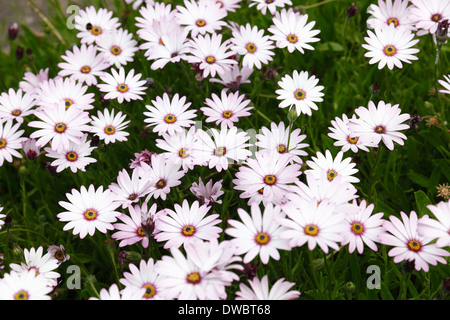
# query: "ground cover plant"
{"points": [[226, 150]]}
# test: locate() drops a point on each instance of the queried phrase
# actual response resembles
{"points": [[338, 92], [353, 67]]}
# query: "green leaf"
{"points": [[330, 46], [422, 201]]}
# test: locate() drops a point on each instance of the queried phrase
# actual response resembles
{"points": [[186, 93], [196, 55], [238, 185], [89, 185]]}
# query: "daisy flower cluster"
{"points": [[172, 198]]}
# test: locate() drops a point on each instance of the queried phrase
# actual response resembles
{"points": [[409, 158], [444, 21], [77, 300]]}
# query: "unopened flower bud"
{"points": [[13, 31], [352, 11], [445, 287], [292, 115], [133, 256], [317, 264], [19, 52], [350, 287], [442, 31]]}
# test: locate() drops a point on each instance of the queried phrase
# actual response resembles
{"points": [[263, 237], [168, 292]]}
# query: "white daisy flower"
{"points": [[24, 285], [331, 168], [67, 92], [138, 3], [271, 5], [345, 138], [92, 23], [119, 47], [381, 122], [221, 148], [32, 152], [59, 253], [83, 64], [170, 116], [209, 193], [258, 234], [291, 31], [251, 43], [15, 105], [426, 14], [228, 5], [109, 127], [259, 290], [40, 263], [31, 82], [438, 226], [446, 84], [390, 46], [10, 141], [388, 12], [89, 210], [234, 77], [211, 54], [226, 109], [113, 293], [122, 86], [153, 12], [75, 156], [300, 91], [201, 16], [276, 140], [129, 190], [60, 126]]}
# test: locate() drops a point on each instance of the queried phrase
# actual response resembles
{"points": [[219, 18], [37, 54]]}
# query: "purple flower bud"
{"points": [[13, 31]]}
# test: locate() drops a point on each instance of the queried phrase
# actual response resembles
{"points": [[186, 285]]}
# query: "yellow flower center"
{"points": [[352, 140], [109, 130], [392, 20], [220, 151], [170, 118], [380, 129], [16, 112], [262, 238], [115, 50], [200, 23], [132, 196], [389, 50], [59, 255], [150, 291], [414, 245], [122, 88], [68, 103], [183, 153], [188, 230], [72, 156], [436, 17], [85, 69], [90, 214], [227, 114], [193, 278], [292, 38], [60, 127], [281, 148], [140, 232], [357, 228], [210, 59], [270, 179], [21, 295], [331, 174], [251, 47], [311, 230], [2, 143], [299, 94], [96, 30], [161, 184]]}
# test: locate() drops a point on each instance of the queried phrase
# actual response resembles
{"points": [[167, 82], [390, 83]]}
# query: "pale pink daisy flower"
{"points": [[234, 78], [113, 293], [152, 12], [137, 226], [185, 223], [426, 14], [445, 84], [437, 227], [24, 285], [201, 274], [317, 225], [201, 16], [390, 46], [83, 64], [89, 210], [291, 30], [109, 127], [208, 193], [326, 165], [381, 122], [129, 189], [277, 138], [31, 150], [345, 138], [169, 115], [163, 175], [40, 264], [258, 234], [10, 141], [217, 149], [363, 227], [211, 54], [60, 126], [119, 47], [259, 290], [65, 91], [144, 279], [137, 3], [15, 105], [2, 216], [31, 82], [92, 23], [251, 43], [226, 109], [59, 253], [390, 11], [180, 148], [121, 86], [409, 244], [300, 91], [228, 5], [270, 174], [270, 5], [76, 156], [141, 157]]}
